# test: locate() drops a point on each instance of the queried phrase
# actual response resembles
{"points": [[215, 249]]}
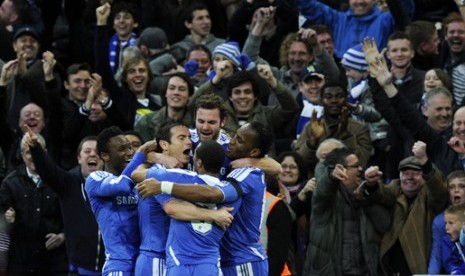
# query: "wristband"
{"points": [[166, 187]]}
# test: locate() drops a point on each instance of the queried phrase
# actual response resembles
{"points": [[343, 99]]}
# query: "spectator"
{"points": [[244, 106], [335, 123], [362, 106], [454, 259], [125, 17], [199, 58], [425, 41], [351, 27], [197, 21], [177, 93], [456, 187], [85, 111], [84, 245], [133, 97], [338, 215], [416, 197], [37, 241], [453, 54]]}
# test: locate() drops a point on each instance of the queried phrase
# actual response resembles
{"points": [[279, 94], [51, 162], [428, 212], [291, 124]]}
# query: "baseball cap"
{"points": [[311, 71], [30, 30]]}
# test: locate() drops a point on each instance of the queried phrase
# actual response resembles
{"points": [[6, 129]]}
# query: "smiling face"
{"points": [[361, 7], [78, 85], [243, 98], [298, 57], [455, 37], [458, 125], [411, 182], [400, 52], [124, 24], [432, 81], [137, 78], [88, 158], [438, 110], [290, 174], [311, 89], [208, 124], [201, 23], [453, 226], [119, 153], [177, 93], [26, 44], [32, 116]]}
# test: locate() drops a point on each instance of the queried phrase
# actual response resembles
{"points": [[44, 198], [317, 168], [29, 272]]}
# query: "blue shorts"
{"points": [[149, 264], [194, 270], [259, 268]]}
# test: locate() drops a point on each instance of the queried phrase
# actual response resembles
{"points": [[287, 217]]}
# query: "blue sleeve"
{"points": [[136, 160], [163, 198], [230, 192], [104, 184], [318, 13], [435, 259]]}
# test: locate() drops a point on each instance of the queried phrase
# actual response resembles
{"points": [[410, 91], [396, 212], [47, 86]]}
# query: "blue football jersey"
{"points": [[153, 222], [241, 242], [195, 242], [114, 202]]}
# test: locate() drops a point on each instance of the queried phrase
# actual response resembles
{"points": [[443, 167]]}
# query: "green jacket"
{"points": [[324, 252]]}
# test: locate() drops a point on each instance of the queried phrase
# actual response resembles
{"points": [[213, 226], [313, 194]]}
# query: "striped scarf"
{"points": [[116, 48]]}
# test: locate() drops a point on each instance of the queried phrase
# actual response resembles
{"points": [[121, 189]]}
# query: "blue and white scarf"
{"points": [[116, 48]]}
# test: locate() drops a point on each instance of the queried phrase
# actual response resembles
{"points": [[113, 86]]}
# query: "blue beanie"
{"points": [[354, 58], [230, 50]]}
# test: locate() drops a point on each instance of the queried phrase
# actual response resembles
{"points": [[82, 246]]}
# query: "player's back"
{"points": [[195, 242]]}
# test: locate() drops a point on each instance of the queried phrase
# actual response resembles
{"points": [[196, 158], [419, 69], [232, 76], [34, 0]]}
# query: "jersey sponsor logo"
{"points": [[127, 200]]}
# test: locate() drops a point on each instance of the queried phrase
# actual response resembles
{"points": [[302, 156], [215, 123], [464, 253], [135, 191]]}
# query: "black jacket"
{"points": [[37, 214], [83, 240]]}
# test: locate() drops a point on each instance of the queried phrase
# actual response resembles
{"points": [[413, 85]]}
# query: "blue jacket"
{"points": [[438, 230], [452, 256], [349, 29]]}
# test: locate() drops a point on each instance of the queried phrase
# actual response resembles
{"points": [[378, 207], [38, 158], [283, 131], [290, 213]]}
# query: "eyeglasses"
{"points": [[352, 166], [291, 167]]}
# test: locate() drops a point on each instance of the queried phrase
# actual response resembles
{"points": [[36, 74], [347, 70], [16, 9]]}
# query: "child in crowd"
{"points": [[456, 187], [452, 250]]}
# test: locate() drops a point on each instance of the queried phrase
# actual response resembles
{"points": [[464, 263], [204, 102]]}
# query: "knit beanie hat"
{"points": [[230, 50], [354, 58]]}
